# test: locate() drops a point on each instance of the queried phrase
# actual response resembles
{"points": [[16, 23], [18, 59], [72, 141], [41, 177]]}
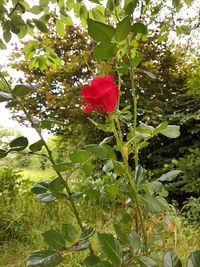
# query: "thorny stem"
{"points": [[50, 157], [73, 205], [119, 138], [136, 160]]}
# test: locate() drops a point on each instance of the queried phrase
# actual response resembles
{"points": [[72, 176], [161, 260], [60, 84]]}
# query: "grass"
{"points": [[26, 219], [37, 174]]}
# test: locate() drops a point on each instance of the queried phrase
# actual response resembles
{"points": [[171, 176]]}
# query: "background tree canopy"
{"points": [[58, 62]]}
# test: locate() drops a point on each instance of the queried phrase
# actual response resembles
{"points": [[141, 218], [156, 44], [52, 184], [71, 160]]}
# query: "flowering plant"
{"points": [[120, 159], [102, 95]]}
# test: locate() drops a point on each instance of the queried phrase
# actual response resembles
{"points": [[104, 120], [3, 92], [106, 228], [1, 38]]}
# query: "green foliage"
{"points": [[54, 240], [9, 183], [100, 31], [194, 259], [186, 184], [170, 259], [191, 210], [130, 59], [104, 50], [21, 90], [44, 258], [11, 219], [57, 89], [123, 29], [139, 28], [19, 143], [111, 248], [48, 191]]}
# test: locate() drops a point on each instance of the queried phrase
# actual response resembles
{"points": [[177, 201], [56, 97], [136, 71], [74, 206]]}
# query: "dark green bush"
{"points": [[187, 184]]}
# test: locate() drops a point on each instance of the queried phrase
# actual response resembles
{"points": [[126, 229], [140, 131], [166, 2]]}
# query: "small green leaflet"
{"points": [[21, 90], [139, 28], [123, 29], [37, 146], [172, 131], [44, 258], [79, 156], [100, 31], [170, 176], [19, 143], [170, 259], [111, 248], [194, 259], [60, 29], [104, 50], [54, 239], [40, 25]]}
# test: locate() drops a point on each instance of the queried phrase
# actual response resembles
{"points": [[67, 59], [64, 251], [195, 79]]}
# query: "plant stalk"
{"points": [[136, 158], [49, 152]]}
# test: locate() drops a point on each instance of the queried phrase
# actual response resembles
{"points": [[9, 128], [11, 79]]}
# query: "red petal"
{"points": [[101, 95], [87, 109], [110, 99]]}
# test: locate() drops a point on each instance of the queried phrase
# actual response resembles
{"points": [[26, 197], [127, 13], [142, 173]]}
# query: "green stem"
{"points": [[118, 137], [131, 182], [49, 152], [136, 159], [50, 157]]}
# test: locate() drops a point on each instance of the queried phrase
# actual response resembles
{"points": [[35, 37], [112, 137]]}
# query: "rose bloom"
{"points": [[101, 95]]}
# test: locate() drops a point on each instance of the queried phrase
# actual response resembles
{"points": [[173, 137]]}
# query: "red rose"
{"points": [[102, 95]]}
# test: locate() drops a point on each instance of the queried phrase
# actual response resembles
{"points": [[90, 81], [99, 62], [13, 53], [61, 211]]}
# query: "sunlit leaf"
{"points": [[170, 176], [21, 90], [177, 5], [111, 248], [60, 29], [54, 239], [172, 131], [69, 232], [123, 29], [62, 167], [104, 50], [98, 15], [79, 156], [100, 31]]}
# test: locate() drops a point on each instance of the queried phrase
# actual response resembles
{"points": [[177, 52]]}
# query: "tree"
{"points": [[56, 95]]}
